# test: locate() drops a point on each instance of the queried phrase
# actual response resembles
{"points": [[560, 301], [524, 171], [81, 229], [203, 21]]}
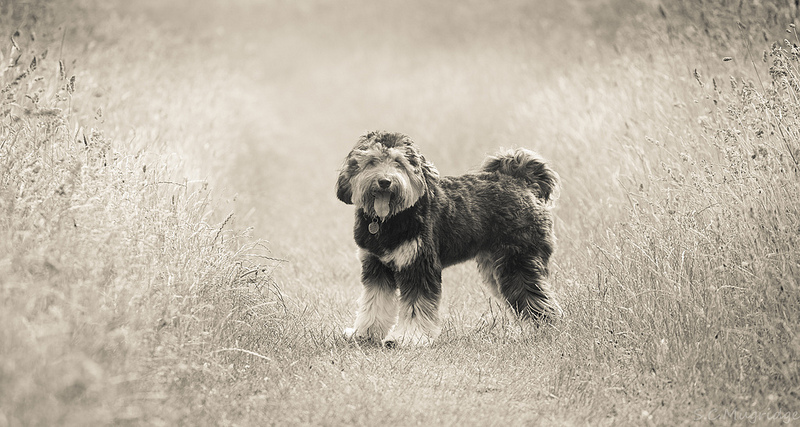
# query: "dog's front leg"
{"points": [[420, 292], [377, 306]]}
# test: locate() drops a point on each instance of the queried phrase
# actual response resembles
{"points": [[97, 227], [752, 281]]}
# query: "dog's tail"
{"points": [[528, 166]]}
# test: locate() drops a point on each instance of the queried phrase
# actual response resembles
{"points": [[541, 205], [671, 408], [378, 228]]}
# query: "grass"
{"points": [[172, 251]]}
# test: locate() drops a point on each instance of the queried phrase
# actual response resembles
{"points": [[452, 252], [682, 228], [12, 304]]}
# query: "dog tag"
{"points": [[373, 227]]}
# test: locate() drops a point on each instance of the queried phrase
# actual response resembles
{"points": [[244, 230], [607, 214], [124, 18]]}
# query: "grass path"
{"points": [[313, 86], [677, 261], [313, 79], [283, 169]]}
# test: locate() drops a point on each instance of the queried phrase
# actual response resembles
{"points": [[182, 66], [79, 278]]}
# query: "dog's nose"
{"points": [[384, 183]]}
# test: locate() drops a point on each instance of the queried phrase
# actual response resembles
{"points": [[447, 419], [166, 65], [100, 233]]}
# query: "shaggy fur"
{"points": [[411, 223]]}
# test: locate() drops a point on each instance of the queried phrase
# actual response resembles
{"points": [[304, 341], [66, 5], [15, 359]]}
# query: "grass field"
{"points": [[172, 251]]}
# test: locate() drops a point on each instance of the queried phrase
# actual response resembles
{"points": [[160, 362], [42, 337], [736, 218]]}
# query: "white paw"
{"points": [[351, 334]]}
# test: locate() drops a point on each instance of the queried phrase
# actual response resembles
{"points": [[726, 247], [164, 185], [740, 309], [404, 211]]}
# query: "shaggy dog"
{"points": [[411, 223]]}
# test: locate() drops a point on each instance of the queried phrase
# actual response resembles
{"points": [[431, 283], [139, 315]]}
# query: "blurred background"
{"points": [[263, 99]]}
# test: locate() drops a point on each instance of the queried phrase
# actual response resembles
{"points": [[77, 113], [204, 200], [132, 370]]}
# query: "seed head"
{"points": [[697, 77]]}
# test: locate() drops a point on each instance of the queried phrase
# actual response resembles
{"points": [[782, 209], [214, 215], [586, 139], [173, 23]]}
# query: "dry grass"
{"points": [[131, 295], [108, 267]]}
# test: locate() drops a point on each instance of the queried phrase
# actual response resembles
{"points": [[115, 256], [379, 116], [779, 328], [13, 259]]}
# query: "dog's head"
{"points": [[384, 174]]}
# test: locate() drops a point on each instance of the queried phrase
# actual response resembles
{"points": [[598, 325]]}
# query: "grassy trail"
{"points": [[131, 296], [313, 85]]}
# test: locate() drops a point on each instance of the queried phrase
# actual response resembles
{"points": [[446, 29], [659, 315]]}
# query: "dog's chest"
{"points": [[396, 240]]}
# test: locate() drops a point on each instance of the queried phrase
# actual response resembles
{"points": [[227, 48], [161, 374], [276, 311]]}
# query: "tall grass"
{"points": [[696, 287], [110, 272], [706, 268]]}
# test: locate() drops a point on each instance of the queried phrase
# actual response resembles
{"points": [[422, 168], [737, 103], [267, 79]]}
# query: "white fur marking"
{"points": [[403, 255], [377, 312]]}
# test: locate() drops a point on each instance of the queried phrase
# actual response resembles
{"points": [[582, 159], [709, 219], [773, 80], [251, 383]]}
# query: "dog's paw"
{"points": [[350, 334], [406, 337]]}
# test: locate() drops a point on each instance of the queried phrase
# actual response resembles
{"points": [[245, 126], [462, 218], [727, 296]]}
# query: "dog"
{"points": [[410, 223]]}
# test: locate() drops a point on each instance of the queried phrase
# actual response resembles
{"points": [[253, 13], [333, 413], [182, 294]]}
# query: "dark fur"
{"points": [[489, 216]]}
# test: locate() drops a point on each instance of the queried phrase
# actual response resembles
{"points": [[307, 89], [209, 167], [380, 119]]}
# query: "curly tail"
{"points": [[528, 166]]}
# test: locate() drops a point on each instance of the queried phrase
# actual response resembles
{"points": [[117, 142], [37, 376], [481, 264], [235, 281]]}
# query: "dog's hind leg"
{"points": [[521, 278], [486, 267], [377, 306]]}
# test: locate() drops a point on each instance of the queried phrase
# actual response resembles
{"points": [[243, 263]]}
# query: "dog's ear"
{"points": [[429, 170], [344, 191], [419, 163]]}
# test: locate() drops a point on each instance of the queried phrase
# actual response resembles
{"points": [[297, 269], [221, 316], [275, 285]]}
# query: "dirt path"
{"points": [[290, 130]]}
